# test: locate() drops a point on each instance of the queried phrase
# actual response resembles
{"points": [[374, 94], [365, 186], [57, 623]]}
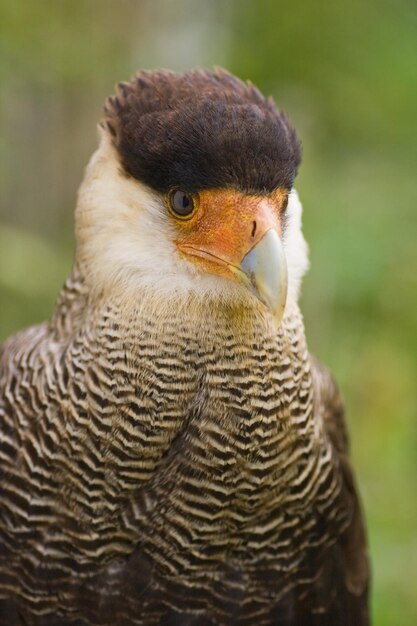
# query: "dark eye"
{"points": [[182, 204], [284, 204]]}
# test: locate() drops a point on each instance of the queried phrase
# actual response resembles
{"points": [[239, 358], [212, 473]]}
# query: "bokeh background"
{"points": [[346, 72]]}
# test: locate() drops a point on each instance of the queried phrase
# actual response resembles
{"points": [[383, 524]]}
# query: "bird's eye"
{"points": [[183, 204]]}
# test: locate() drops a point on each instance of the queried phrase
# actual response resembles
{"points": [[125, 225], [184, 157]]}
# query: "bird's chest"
{"points": [[256, 415], [239, 490], [209, 437], [228, 444]]}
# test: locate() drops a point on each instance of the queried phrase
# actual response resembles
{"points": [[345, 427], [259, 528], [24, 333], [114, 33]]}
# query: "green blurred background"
{"points": [[346, 72]]}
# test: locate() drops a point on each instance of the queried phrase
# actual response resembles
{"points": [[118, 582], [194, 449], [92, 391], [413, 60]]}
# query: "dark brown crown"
{"points": [[199, 130]]}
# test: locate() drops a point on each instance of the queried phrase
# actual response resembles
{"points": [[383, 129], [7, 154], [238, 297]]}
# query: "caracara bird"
{"points": [[170, 452]]}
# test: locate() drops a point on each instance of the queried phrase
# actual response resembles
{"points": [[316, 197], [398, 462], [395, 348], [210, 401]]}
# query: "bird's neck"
{"points": [[204, 320]]}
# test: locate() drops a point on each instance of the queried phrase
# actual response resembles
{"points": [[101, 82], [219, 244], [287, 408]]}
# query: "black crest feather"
{"points": [[201, 129]]}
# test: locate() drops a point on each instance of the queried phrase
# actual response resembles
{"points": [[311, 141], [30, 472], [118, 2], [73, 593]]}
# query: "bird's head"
{"points": [[191, 190]]}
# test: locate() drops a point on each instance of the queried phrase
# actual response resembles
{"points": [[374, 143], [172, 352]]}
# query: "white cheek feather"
{"points": [[125, 238], [296, 249]]}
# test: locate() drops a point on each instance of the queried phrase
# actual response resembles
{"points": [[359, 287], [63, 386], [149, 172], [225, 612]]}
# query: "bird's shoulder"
{"points": [[329, 406], [352, 547], [15, 347]]}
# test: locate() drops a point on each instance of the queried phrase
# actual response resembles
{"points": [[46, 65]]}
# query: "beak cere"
{"points": [[238, 236], [265, 269]]}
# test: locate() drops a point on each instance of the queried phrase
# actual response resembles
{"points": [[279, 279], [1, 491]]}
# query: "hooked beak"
{"points": [[265, 272]]}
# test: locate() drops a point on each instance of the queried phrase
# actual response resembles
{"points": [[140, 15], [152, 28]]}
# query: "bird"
{"points": [[170, 452]]}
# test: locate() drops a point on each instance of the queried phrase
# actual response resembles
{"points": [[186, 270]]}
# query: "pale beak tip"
{"points": [[266, 269]]}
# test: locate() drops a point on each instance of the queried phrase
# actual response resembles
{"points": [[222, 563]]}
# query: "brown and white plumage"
{"points": [[170, 453]]}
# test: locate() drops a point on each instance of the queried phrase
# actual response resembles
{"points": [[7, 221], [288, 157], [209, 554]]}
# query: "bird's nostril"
{"points": [[253, 229]]}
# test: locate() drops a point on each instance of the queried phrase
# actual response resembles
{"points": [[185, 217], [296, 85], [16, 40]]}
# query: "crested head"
{"points": [[200, 130], [192, 172]]}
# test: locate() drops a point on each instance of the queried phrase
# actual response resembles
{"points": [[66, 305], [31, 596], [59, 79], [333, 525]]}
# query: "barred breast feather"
{"points": [[182, 468]]}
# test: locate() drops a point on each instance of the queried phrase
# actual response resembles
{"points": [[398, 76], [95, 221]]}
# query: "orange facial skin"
{"points": [[227, 225]]}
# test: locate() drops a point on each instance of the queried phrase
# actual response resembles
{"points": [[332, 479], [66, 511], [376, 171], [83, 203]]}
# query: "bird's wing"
{"points": [[351, 552]]}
